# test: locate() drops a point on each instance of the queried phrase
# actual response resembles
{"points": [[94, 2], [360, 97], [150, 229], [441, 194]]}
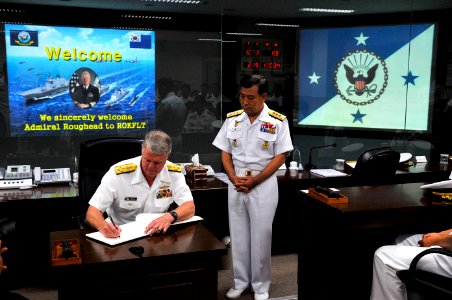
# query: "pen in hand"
{"points": [[113, 222]]}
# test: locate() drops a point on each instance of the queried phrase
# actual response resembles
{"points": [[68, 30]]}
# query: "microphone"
{"points": [[67, 250], [309, 165]]}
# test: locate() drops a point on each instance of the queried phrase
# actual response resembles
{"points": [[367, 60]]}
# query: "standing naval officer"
{"points": [[255, 142]]}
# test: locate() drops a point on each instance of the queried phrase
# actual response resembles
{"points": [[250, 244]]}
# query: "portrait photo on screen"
{"points": [[66, 81], [374, 78]]}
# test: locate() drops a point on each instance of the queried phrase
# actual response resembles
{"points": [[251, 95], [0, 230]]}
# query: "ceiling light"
{"points": [[146, 17], [278, 25], [215, 40], [20, 23], [209, 40], [243, 33], [11, 10], [327, 10], [131, 28]]}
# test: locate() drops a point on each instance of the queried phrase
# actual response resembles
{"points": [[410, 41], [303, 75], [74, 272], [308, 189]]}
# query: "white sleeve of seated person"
{"points": [[181, 191], [392, 258]]}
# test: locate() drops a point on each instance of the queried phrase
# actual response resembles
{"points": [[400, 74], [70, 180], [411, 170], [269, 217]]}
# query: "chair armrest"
{"points": [[416, 259]]}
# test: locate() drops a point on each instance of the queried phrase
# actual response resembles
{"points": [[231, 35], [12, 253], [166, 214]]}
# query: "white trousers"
{"points": [[386, 285], [250, 225]]}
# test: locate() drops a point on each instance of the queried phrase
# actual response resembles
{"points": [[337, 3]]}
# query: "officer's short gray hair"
{"points": [[158, 142]]}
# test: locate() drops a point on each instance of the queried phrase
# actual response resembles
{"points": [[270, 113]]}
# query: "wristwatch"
{"points": [[173, 213]]}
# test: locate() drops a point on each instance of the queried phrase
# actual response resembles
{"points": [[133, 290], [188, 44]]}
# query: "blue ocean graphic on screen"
{"points": [[43, 80], [376, 77]]}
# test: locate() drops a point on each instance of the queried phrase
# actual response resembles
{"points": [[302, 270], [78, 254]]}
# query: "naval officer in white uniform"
{"points": [[255, 142], [144, 184]]}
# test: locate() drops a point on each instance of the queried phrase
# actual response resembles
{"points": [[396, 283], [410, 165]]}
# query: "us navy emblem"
{"points": [[361, 77]]}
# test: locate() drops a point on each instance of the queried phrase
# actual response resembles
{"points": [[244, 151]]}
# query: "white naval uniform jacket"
{"points": [[253, 146], [128, 194]]}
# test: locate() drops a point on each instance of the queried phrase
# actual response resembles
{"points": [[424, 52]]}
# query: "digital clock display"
{"points": [[252, 52], [261, 54]]}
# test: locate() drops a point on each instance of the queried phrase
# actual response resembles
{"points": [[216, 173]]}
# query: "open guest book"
{"points": [[134, 230]]}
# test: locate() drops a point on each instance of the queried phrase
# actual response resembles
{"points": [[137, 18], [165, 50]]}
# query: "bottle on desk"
{"points": [[293, 168]]}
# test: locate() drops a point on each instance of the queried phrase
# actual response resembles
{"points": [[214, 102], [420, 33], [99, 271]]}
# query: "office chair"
{"points": [[376, 164], [423, 285], [96, 157]]}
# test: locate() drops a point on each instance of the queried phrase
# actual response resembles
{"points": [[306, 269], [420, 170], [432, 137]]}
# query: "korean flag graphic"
{"points": [[366, 77], [140, 41]]}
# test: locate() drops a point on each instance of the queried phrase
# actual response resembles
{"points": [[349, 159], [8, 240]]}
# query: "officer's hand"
{"points": [[250, 183], [238, 182], [430, 239], [237, 179], [110, 231], [159, 225], [247, 184], [2, 250]]}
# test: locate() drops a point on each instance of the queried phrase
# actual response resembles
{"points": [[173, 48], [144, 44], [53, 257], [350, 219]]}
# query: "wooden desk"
{"points": [[181, 264], [288, 186], [337, 241], [416, 173]]}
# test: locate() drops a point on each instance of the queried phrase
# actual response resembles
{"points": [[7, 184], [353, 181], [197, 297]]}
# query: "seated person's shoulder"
{"points": [[126, 166]]}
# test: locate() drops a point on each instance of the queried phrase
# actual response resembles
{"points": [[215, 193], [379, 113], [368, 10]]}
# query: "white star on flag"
{"points": [[314, 78], [361, 39]]}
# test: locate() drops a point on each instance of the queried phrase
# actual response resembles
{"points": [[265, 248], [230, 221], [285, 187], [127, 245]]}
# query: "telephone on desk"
{"points": [[22, 176]]}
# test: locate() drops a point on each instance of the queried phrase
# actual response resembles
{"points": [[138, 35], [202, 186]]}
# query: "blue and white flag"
{"points": [[366, 77]]}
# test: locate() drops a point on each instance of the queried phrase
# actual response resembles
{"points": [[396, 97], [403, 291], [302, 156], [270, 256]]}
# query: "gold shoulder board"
{"points": [[174, 167], [127, 168], [276, 115], [234, 113]]}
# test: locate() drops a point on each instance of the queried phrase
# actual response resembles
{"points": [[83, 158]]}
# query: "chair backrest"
{"points": [[96, 157], [377, 163]]}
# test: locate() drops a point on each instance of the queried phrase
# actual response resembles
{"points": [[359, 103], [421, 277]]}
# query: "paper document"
{"points": [[327, 172], [134, 230], [446, 184]]}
